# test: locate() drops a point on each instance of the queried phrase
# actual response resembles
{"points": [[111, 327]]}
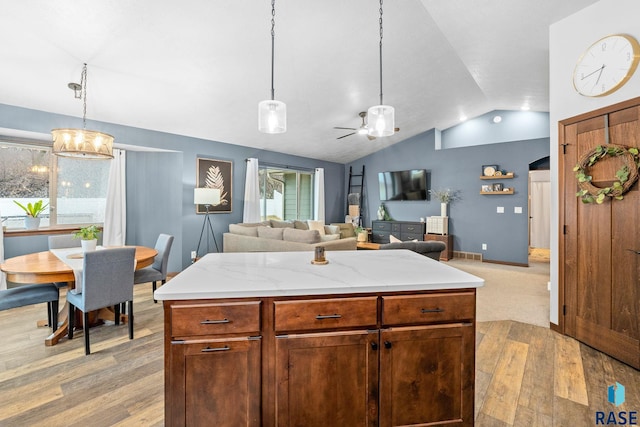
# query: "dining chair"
{"points": [[107, 281], [23, 295], [158, 270]]}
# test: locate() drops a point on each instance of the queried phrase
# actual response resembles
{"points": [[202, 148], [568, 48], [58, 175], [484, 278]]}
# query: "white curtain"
{"points": [[115, 217], [3, 279], [318, 195], [540, 209], [251, 211]]}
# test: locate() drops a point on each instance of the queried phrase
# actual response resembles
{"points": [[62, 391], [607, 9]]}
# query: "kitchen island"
{"points": [[371, 338]]}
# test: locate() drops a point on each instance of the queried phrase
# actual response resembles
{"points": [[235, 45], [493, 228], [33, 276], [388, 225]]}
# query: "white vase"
{"points": [[443, 209], [31, 223], [89, 245]]}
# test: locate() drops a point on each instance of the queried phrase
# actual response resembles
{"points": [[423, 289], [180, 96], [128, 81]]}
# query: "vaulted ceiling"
{"points": [[200, 67]]}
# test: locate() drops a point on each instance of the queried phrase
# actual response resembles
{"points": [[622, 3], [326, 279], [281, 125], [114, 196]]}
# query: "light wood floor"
{"points": [[525, 375]]}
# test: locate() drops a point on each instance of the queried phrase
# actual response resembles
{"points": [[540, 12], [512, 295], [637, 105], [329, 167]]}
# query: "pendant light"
{"points": [[381, 120], [82, 143], [272, 114]]}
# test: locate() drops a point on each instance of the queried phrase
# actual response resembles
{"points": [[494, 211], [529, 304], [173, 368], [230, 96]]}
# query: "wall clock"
{"points": [[606, 65]]}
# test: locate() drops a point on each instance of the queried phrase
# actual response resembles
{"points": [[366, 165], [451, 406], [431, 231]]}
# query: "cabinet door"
{"points": [[327, 379], [214, 382], [427, 375]]}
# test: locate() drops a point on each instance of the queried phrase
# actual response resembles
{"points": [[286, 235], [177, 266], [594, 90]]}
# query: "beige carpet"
{"points": [[510, 293]]}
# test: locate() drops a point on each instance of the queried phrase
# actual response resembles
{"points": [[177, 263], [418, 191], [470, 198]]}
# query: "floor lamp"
{"points": [[207, 197]]}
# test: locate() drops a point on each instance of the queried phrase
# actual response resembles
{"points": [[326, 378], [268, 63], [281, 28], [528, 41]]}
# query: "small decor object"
{"points": [[498, 187], [215, 174], [362, 235], [380, 214], [489, 170], [487, 188], [32, 221], [626, 176], [606, 65], [88, 236], [318, 256]]}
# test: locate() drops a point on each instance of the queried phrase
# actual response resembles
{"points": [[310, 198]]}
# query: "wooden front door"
{"points": [[599, 243]]}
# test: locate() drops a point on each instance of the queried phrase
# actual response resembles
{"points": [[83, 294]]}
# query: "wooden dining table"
{"points": [[45, 267]]}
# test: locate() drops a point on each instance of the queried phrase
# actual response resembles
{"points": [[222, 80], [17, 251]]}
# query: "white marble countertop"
{"points": [[268, 274]]}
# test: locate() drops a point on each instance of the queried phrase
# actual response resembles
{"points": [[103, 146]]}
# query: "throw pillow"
{"points": [[332, 229], [300, 225], [301, 236], [316, 225], [329, 237], [394, 239], [243, 230], [281, 224], [270, 233], [346, 229]]}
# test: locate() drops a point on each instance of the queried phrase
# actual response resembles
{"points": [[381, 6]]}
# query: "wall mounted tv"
{"points": [[404, 185]]}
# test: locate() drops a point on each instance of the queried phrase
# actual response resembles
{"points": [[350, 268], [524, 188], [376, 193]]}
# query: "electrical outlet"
{"points": [[484, 246], [193, 254]]}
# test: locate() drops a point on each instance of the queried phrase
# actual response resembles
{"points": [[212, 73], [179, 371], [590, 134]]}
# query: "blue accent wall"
{"points": [[472, 220], [160, 184]]}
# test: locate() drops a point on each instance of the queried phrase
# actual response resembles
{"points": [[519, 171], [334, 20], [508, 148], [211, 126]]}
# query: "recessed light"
{"points": [[497, 119]]}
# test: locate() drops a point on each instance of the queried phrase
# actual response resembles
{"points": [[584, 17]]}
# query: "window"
{"points": [[285, 194], [75, 189]]}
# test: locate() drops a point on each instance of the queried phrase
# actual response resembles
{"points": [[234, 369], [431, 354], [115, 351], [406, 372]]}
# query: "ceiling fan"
{"points": [[362, 130]]}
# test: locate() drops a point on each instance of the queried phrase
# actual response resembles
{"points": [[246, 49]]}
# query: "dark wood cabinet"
{"points": [[403, 230], [447, 239], [369, 359]]}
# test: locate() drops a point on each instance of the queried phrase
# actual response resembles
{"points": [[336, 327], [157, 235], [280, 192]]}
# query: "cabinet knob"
{"points": [[387, 344], [374, 345]]}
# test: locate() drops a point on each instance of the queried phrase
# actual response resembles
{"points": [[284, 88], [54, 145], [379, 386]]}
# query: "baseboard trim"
{"points": [[516, 264]]}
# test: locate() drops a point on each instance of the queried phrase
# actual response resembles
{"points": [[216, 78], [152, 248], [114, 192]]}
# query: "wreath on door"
{"points": [[626, 176]]}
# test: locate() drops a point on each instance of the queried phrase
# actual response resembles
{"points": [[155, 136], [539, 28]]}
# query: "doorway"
{"points": [[539, 211]]}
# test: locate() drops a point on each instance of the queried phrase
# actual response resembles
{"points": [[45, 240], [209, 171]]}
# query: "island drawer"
{"points": [[432, 308], [215, 318], [325, 314]]}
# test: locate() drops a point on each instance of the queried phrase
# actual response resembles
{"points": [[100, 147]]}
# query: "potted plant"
{"points": [[445, 196], [361, 234], [32, 221], [88, 237]]}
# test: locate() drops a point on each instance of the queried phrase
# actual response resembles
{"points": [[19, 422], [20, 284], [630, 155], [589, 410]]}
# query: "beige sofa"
{"points": [[284, 236]]}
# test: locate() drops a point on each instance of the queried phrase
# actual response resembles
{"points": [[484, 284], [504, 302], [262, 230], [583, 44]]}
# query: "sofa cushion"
{"points": [[346, 229], [329, 237], [316, 225], [300, 225], [281, 224], [332, 229], [243, 230], [301, 236], [270, 233]]}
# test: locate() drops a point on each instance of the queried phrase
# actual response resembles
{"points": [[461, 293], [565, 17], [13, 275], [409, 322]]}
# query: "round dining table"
{"points": [[45, 267]]}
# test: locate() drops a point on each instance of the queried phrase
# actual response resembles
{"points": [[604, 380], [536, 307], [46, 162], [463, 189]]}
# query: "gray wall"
{"points": [[473, 220], [160, 184]]}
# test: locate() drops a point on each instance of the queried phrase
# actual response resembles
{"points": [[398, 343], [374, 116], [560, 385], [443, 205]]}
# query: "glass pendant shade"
{"points": [[82, 143], [381, 120], [272, 116]]}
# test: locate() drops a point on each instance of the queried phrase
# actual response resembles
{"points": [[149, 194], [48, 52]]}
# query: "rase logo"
{"points": [[615, 395]]}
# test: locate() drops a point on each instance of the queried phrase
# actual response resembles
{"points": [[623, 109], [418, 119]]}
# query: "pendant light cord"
{"points": [[273, 37], [83, 84], [381, 103]]}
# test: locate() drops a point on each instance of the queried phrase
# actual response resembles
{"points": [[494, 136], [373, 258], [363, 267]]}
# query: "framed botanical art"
{"points": [[217, 174]]}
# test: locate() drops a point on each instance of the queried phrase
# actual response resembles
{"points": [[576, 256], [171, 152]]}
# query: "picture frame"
{"points": [[212, 173], [489, 170], [498, 187], [487, 188]]}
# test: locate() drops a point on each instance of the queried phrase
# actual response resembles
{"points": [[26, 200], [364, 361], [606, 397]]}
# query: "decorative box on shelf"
{"points": [[438, 225]]}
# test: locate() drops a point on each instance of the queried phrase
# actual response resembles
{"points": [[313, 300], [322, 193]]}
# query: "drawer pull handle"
{"points": [[328, 316], [209, 349], [214, 322], [410, 228], [432, 310]]}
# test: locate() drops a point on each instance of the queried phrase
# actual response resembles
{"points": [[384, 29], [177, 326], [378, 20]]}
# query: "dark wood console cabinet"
{"points": [[403, 230]]}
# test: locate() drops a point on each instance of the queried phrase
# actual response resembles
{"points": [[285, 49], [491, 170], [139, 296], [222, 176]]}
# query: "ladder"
{"points": [[355, 196]]}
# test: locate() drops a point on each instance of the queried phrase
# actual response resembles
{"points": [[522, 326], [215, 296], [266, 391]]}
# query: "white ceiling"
{"points": [[200, 67]]}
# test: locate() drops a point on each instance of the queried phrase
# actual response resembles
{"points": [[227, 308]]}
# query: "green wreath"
{"points": [[626, 176]]}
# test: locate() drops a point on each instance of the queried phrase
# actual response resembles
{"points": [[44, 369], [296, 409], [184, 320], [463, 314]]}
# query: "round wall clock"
{"points": [[606, 65]]}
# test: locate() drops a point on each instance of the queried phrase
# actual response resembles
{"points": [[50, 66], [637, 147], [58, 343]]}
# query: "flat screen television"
{"points": [[404, 185]]}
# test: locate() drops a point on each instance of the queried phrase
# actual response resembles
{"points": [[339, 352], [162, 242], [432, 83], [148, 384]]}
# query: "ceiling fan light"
{"points": [[381, 119], [362, 130], [272, 116]]}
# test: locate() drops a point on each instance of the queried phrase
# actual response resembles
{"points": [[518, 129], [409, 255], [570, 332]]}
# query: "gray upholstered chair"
{"points": [[158, 270], [107, 281], [22, 295], [429, 249]]}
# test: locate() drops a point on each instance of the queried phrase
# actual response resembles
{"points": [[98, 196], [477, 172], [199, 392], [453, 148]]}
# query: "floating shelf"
{"points": [[497, 193], [508, 176]]}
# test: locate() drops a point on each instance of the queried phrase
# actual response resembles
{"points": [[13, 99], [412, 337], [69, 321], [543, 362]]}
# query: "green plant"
{"points": [[89, 232], [446, 196], [34, 209]]}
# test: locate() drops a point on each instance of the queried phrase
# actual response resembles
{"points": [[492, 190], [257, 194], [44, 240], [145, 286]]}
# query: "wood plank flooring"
{"points": [[525, 375]]}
